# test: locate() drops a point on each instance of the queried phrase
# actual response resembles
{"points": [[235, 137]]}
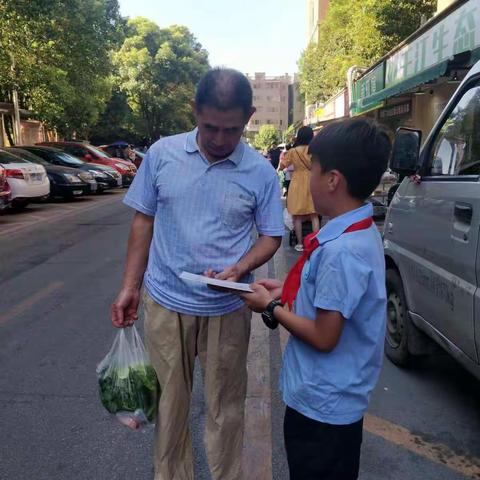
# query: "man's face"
{"points": [[219, 131]]}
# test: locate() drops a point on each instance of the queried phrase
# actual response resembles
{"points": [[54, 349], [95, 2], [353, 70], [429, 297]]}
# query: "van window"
{"points": [[456, 150]]}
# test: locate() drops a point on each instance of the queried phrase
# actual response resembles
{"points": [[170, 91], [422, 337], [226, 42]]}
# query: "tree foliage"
{"points": [[158, 69], [356, 32], [56, 53], [266, 138]]}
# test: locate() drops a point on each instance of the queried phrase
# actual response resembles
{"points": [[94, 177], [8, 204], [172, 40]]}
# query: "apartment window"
{"points": [[256, 122], [269, 122], [281, 122]]}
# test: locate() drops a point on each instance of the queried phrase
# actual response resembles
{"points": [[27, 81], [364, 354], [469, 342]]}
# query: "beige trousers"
{"points": [[173, 340]]}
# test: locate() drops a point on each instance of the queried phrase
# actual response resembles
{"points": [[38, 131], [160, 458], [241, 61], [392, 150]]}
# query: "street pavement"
{"points": [[60, 267]]}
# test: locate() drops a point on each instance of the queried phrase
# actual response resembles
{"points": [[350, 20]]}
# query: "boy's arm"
{"points": [[322, 334]]}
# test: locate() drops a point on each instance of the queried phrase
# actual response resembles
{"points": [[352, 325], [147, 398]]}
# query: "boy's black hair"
{"points": [[358, 148], [304, 136], [224, 89]]}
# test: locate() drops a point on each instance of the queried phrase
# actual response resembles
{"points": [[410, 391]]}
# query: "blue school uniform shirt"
{"points": [[346, 273], [204, 215]]}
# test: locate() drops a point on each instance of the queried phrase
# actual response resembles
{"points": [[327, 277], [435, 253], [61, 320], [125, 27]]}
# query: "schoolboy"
{"points": [[333, 357]]}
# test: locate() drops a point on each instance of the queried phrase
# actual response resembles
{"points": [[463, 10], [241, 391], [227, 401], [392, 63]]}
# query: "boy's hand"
{"points": [[273, 286], [259, 299]]}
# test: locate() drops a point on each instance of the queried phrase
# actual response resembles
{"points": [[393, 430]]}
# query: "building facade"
{"points": [[316, 13], [296, 109], [270, 98]]}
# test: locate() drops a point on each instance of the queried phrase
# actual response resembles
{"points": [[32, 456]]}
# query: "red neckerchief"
{"points": [[310, 243]]}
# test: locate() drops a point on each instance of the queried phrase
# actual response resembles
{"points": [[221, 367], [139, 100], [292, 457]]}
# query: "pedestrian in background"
{"points": [[274, 156], [334, 354], [287, 171], [299, 199], [197, 197]]}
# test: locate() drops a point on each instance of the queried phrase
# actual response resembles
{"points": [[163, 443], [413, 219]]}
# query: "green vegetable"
{"points": [[129, 389]]}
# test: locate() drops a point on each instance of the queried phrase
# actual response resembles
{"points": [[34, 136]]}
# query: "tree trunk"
{"points": [[9, 129]]}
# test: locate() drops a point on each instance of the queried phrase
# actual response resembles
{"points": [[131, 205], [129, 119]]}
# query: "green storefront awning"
{"points": [[431, 73]]}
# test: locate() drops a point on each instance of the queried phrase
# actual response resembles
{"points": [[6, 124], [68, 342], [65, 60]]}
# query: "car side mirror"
{"points": [[406, 150], [88, 156]]}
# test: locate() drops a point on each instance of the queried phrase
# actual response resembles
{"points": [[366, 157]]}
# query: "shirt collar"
{"points": [[191, 146], [335, 227]]}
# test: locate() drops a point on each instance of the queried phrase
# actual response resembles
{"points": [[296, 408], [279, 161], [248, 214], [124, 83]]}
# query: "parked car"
{"points": [[106, 177], [431, 236], [89, 153], [118, 150], [379, 208], [65, 182], [28, 181], [4, 189]]}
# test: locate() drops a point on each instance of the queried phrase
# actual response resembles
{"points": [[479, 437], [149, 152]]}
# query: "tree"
{"points": [[56, 53], [266, 138], [158, 70], [356, 32]]}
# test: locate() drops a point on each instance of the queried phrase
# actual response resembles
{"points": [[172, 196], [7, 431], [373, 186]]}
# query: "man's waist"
{"points": [[192, 299]]}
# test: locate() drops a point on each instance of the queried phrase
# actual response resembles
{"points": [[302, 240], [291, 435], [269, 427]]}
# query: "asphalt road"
{"points": [[60, 267]]}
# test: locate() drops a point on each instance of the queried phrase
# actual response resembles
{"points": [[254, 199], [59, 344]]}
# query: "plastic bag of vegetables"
{"points": [[127, 380]]}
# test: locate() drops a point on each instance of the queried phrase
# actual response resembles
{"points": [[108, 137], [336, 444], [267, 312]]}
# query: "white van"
{"points": [[431, 235]]}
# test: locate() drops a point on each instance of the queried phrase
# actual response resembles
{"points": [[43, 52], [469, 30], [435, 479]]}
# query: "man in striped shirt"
{"points": [[197, 197]]}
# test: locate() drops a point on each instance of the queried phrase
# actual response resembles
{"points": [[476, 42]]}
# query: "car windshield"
{"points": [[9, 158], [28, 156], [99, 152], [65, 157]]}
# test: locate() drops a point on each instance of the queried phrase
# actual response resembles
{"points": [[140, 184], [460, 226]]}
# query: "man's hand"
{"points": [[233, 273], [259, 299], [124, 308], [273, 286]]}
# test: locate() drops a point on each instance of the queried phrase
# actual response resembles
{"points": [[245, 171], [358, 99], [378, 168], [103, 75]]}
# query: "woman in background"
{"points": [[299, 199]]}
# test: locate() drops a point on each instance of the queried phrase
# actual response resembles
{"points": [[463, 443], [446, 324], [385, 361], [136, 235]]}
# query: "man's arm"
{"points": [[124, 308], [261, 252]]}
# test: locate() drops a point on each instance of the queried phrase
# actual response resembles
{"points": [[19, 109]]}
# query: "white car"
{"points": [[27, 181]]}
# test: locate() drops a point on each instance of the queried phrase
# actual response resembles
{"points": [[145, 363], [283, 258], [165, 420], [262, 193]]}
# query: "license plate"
{"points": [[119, 181], [36, 177], [77, 192]]}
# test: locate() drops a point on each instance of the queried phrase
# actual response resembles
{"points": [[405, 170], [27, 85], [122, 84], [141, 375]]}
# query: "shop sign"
{"points": [[372, 82], [457, 33], [395, 110]]}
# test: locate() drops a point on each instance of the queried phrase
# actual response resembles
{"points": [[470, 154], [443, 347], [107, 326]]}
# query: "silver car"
{"points": [[431, 236]]}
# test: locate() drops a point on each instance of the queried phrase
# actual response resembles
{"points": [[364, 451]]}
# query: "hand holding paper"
{"points": [[228, 285]]}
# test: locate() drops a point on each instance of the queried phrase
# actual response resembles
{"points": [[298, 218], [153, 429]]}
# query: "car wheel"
{"points": [[398, 321], [18, 206]]}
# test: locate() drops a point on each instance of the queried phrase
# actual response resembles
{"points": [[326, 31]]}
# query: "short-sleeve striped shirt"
{"points": [[204, 216]]}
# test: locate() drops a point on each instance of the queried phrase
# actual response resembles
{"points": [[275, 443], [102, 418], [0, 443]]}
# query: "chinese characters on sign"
{"points": [[395, 110], [454, 34]]}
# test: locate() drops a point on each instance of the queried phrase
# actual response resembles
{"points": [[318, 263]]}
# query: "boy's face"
{"points": [[323, 187]]}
